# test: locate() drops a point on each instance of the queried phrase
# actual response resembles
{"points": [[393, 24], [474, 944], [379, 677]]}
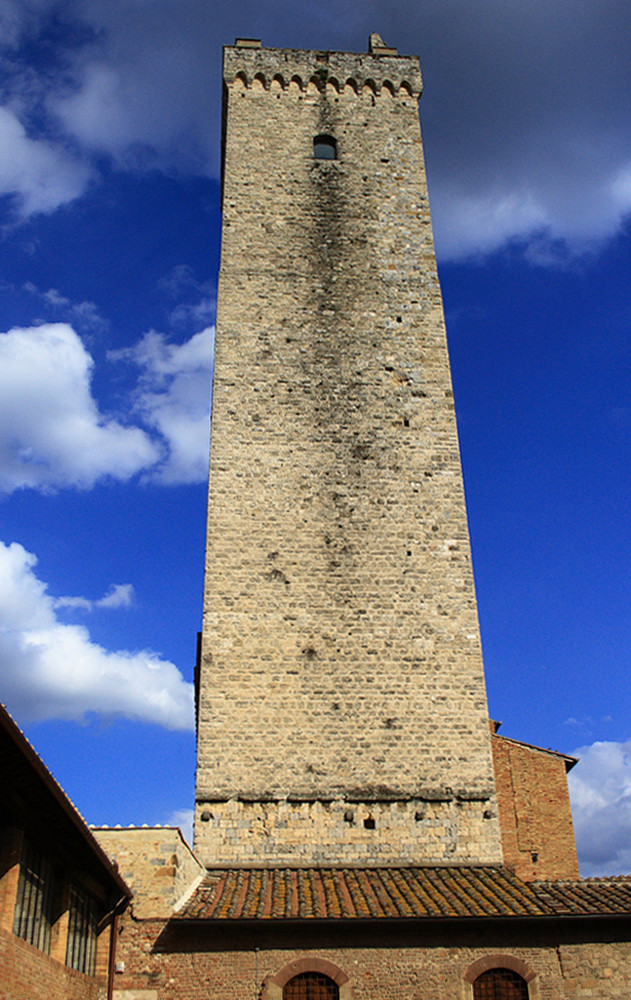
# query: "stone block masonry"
{"points": [[341, 668], [156, 862]]}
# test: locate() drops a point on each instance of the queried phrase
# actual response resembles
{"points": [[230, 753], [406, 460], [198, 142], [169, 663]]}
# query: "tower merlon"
{"points": [[380, 68]]}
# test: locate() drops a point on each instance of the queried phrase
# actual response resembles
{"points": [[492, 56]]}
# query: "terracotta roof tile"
{"points": [[396, 893], [587, 896], [385, 893]]}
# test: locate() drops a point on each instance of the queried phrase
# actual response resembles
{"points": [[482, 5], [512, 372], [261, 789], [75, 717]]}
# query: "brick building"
{"points": [[360, 831], [60, 895], [534, 809]]}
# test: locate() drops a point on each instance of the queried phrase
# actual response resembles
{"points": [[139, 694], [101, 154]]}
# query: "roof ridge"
{"points": [[589, 880]]}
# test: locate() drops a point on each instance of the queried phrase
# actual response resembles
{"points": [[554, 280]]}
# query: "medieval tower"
{"points": [[347, 836], [342, 714]]}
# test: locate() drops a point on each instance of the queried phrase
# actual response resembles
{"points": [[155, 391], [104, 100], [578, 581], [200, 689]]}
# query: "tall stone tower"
{"points": [[342, 712]]}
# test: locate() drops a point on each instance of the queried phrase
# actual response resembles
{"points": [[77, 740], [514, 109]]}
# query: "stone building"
{"points": [[342, 708], [360, 831]]}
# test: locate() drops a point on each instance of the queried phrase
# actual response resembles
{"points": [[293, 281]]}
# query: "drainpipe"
{"points": [[111, 964]]}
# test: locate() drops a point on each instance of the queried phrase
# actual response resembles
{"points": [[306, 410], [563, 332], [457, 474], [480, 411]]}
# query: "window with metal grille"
{"points": [[33, 906], [81, 946], [500, 984], [311, 986]]}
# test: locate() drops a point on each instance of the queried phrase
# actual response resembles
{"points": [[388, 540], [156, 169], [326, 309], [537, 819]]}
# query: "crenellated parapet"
{"points": [[248, 65]]}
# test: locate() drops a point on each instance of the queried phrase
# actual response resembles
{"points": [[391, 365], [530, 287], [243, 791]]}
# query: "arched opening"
{"points": [[325, 147], [311, 986], [500, 984]]}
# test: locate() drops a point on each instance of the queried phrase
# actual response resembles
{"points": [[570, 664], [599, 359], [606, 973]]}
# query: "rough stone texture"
{"points": [[135, 995], [340, 655], [156, 862], [266, 833], [559, 961], [534, 808]]}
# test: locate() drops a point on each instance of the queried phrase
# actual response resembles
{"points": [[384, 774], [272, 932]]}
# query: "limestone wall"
{"points": [[340, 654], [341, 831], [156, 862]]}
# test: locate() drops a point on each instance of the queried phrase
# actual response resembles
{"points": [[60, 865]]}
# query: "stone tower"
{"points": [[342, 712]]}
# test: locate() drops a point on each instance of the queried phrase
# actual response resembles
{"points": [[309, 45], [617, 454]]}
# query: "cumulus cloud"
{"points": [[39, 175], [525, 110], [173, 397], [600, 790], [53, 434], [52, 670], [51, 431]]}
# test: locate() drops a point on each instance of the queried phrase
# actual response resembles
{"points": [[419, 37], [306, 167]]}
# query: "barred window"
{"points": [[33, 907], [311, 986], [81, 947], [500, 984]]}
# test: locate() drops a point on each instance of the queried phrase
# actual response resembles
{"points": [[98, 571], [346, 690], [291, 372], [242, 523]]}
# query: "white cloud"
{"points": [[120, 595], [38, 174], [51, 431], [600, 790], [141, 93], [174, 398], [480, 224], [190, 315], [20, 19], [195, 314], [51, 670], [75, 603], [184, 819], [524, 113], [553, 219], [620, 189], [53, 434], [84, 315]]}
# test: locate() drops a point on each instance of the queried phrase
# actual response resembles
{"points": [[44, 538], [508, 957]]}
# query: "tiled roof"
{"points": [[394, 893], [358, 893], [587, 896]]}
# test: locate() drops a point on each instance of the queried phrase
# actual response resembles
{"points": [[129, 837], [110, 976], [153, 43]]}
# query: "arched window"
{"points": [[324, 147], [500, 984], [311, 986]]}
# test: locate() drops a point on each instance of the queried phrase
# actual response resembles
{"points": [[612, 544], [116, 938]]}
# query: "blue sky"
{"points": [[109, 142]]}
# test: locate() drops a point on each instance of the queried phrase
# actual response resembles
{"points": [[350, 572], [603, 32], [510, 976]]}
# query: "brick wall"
{"points": [[381, 963], [535, 813], [27, 973], [341, 659]]}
